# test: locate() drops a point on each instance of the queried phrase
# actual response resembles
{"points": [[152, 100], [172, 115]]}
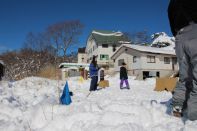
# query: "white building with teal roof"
{"points": [[103, 44]]}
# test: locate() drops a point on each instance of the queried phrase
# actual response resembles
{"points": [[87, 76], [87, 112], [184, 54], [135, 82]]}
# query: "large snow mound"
{"points": [[33, 104]]}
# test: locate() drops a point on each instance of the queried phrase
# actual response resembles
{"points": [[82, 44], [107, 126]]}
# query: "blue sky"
{"points": [[18, 17]]}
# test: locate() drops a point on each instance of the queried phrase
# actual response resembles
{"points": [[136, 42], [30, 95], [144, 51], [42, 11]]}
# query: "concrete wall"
{"points": [[82, 58], [127, 59], [96, 49], [163, 73], [141, 63], [91, 49], [159, 62], [65, 73], [104, 51]]}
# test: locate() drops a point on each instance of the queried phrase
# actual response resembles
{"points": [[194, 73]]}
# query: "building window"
{"points": [[134, 59], [104, 45], [150, 59], [114, 48], [166, 60], [104, 57], [120, 62]]}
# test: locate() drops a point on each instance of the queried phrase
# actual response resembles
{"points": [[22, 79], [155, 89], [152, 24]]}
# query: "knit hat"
{"points": [[124, 63]]}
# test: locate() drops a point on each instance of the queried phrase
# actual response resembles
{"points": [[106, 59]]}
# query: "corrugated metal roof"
{"points": [[148, 49], [73, 65], [108, 37], [152, 49]]}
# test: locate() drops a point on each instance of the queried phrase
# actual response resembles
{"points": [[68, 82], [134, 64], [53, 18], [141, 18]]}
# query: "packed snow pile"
{"points": [[161, 39], [33, 104]]}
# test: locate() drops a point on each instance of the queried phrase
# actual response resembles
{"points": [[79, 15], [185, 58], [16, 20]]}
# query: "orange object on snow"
{"points": [[165, 84], [103, 83]]}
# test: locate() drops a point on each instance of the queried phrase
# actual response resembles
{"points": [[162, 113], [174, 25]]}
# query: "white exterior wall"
{"points": [[100, 50], [90, 50], [141, 63], [105, 51], [159, 62], [127, 59], [80, 56], [138, 63]]}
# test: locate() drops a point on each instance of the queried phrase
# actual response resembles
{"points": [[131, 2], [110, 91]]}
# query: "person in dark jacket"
{"points": [[183, 18], [93, 74], [1, 71], [123, 76]]}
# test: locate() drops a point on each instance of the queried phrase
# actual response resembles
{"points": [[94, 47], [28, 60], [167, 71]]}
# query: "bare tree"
{"points": [[65, 34], [30, 41], [37, 42], [140, 37], [26, 62]]}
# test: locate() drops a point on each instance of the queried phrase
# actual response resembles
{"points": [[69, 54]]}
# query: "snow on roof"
{"points": [[164, 50], [124, 42], [108, 37], [108, 34], [70, 68], [73, 64]]}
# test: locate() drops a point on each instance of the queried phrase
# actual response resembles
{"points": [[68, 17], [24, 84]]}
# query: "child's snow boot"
{"points": [[177, 111]]}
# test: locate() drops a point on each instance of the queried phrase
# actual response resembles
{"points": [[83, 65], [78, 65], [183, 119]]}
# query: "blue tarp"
{"points": [[65, 99]]}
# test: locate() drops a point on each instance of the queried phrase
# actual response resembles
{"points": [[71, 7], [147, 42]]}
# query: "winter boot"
{"points": [[127, 87], [177, 111], [121, 86]]}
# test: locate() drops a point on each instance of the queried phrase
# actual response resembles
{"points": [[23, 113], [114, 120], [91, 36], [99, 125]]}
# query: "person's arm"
{"points": [[121, 76]]}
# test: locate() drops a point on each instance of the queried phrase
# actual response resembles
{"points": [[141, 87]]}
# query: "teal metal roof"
{"points": [[108, 37]]}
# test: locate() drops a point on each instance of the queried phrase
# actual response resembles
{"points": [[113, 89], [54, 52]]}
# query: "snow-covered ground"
{"points": [[32, 104]]}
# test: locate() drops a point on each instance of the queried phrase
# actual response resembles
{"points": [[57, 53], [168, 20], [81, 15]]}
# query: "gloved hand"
{"points": [[177, 111]]}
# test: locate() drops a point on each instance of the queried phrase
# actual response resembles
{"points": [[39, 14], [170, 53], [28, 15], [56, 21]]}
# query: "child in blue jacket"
{"points": [[93, 74]]}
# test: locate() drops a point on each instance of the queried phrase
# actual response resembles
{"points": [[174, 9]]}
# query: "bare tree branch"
{"points": [[64, 35]]}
